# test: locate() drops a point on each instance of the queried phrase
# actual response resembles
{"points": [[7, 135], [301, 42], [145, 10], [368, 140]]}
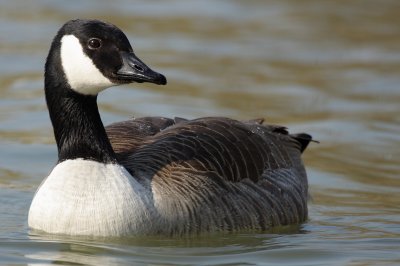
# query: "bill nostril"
{"points": [[138, 68]]}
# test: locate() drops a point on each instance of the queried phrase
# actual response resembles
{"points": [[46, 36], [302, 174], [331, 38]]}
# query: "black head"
{"points": [[94, 55]]}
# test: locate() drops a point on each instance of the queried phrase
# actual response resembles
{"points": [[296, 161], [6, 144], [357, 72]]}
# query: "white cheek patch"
{"points": [[81, 73]]}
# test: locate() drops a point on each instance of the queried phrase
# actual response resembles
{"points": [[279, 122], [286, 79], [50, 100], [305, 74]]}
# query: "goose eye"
{"points": [[94, 43]]}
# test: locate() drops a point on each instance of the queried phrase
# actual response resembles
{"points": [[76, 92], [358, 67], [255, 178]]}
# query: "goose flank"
{"points": [[155, 175]]}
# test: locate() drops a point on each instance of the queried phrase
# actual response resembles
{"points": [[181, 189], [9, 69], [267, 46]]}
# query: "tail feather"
{"points": [[304, 139]]}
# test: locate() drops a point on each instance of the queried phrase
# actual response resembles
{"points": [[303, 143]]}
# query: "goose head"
{"points": [[94, 55], [86, 57]]}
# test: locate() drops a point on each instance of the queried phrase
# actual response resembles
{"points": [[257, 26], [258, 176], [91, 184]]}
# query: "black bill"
{"points": [[134, 70]]}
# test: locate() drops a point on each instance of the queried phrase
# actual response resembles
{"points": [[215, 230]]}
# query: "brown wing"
{"points": [[231, 149], [214, 174]]}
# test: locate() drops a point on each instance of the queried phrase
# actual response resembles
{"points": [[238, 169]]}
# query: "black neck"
{"points": [[78, 129]]}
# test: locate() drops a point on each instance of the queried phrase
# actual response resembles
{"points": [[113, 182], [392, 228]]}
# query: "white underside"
{"points": [[83, 197], [82, 75]]}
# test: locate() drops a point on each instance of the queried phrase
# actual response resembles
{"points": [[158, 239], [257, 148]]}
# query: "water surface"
{"points": [[329, 68]]}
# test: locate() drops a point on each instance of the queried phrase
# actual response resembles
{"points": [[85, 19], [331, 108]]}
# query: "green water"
{"points": [[329, 68]]}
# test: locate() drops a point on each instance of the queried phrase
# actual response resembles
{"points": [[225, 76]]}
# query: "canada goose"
{"points": [[155, 175]]}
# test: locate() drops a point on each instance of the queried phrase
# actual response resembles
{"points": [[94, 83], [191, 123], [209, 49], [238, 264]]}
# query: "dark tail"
{"points": [[304, 139]]}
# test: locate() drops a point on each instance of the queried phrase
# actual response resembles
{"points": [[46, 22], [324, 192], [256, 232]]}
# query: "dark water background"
{"points": [[330, 68]]}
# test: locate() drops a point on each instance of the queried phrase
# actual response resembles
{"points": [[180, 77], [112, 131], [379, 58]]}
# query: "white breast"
{"points": [[82, 197]]}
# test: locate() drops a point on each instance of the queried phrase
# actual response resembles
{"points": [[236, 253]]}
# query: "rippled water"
{"points": [[330, 68]]}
